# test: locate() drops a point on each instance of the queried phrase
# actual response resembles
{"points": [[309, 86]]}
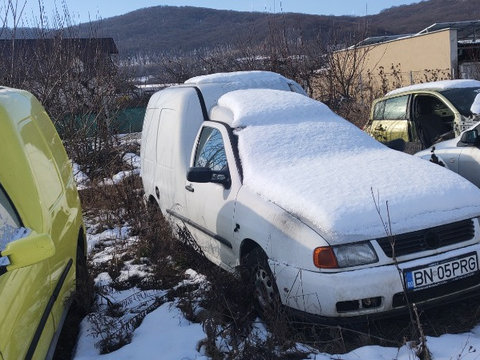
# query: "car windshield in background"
{"points": [[462, 98]]}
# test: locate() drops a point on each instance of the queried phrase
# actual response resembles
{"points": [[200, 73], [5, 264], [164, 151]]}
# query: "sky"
{"points": [[86, 10]]}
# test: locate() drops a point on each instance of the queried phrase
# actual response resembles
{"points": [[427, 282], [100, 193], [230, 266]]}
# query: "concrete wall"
{"points": [[406, 61]]}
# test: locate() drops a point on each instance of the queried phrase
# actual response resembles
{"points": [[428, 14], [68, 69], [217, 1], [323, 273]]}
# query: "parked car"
{"points": [[424, 114], [42, 238], [273, 181], [461, 154]]}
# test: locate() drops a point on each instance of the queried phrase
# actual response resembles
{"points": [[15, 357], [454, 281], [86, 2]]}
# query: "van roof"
{"points": [[245, 77], [213, 86], [437, 86], [248, 107]]}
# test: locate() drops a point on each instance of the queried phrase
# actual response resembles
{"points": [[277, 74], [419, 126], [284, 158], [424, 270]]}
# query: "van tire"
{"points": [[262, 282]]}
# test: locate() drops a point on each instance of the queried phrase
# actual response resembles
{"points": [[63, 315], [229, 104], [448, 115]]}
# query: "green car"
{"points": [[423, 114], [42, 237]]}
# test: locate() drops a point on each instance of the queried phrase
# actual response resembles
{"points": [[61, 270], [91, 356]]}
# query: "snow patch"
{"points": [[80, 177], [118, 233], [163, 334], [119, 177], [132, 160]]}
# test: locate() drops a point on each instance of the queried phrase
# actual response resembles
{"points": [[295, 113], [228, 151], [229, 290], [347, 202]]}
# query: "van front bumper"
{"points": [[368, 292]]}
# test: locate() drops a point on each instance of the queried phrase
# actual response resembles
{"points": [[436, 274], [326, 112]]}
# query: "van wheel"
{"points": [[263, 284]]}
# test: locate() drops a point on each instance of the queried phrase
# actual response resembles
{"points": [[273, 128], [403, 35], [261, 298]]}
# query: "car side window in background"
{"points": [[396, 108], [379, 110], [211, 150], [10, 223]]}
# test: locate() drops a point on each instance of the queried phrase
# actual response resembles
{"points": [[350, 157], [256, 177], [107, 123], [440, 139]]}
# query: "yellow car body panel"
{"points": [[36, 175]]}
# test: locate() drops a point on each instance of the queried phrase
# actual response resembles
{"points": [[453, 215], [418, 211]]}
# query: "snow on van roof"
{"points": [[237, 76], [261, 107], [300, 155], [246, 80], [438, 85]]}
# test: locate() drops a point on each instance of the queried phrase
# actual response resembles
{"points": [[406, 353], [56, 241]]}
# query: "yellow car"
{"points": [[42, 237], [424, 114]]}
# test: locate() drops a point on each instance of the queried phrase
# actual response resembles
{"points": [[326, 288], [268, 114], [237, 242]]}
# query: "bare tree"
{"points": [[73, 77]]}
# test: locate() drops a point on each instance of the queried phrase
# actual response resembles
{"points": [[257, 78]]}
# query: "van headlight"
{"points": [[341, 256]]}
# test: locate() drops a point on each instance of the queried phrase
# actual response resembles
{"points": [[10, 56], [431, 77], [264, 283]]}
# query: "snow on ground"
{"points": [[109, 235], [132, 160], [164, 334], [119, 177], [80, 177]]}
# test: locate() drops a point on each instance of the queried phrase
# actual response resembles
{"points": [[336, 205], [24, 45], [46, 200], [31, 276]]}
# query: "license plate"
{"points": [[438, 273]]}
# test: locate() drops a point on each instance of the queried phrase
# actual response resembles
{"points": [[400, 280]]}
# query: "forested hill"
{"points": [[166, 29]]}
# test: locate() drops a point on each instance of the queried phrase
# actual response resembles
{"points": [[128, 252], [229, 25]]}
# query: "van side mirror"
{"points": [[199, 174], [207, 175], [470, 137], [28, 251]]}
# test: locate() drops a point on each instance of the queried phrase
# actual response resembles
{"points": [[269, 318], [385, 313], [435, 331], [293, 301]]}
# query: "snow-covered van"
{"points": [[322, 215]]}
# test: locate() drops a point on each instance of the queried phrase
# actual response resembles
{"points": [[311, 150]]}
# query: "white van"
{"points": [[321, 214]]}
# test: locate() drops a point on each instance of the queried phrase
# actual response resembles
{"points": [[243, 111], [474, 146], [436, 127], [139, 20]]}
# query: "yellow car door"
{"points": [[24, 294], [390, 119]]}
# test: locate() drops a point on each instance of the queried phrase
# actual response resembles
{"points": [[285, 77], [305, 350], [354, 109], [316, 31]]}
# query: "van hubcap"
{"points": [[264, 291]]}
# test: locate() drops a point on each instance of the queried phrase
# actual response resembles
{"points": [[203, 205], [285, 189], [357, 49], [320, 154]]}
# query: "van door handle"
{"points": [[189, 187]]}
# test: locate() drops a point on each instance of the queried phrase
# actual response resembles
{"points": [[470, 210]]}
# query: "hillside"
{"points": [[415, 17], [175, 29], [167, 29]]}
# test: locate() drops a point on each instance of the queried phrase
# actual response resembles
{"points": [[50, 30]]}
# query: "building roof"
{"points": [[467, 32], [380, 39]]}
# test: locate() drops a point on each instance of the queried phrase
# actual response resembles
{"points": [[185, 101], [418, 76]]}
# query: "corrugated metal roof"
{"points": [[466, 30], [380, 39]]}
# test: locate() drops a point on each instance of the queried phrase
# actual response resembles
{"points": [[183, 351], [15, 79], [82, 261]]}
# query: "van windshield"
{"points": [[462, 98]]}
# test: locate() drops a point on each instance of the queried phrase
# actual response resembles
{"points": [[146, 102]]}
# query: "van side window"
{"points": [[211, 150], [396, 108]]}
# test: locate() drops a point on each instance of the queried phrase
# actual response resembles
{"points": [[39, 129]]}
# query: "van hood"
{"points": [[337, 179]]}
